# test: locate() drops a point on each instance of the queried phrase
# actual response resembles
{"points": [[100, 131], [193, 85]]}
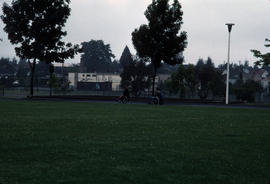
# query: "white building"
{"points": [[75, 78]]}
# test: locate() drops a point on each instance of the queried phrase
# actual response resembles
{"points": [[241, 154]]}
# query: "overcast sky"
{"points": [[204, 20]]}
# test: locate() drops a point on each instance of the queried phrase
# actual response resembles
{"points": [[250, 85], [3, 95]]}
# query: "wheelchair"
{"points": [[123, 99], [154, 100]]}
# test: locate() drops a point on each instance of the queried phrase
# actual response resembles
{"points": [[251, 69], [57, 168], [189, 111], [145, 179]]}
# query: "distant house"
{"points": [[94, 81], [101, 81], [258, 75], [162, 77]]}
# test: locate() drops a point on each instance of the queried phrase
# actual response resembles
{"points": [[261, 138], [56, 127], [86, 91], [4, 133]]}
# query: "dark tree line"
{"points": [[200, 79], [36, 29], [16, 73], [135, 76], [204, 79], [136, 72]]}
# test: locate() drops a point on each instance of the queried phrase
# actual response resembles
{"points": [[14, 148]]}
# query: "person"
{"points": [[125, 97], [159, 95], [157, 98]]}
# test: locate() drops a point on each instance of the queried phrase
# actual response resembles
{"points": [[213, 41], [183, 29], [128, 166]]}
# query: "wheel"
{"points": [[124, 100], [155, 101]]}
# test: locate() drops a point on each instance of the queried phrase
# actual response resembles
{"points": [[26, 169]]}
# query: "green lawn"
{"points": [[93, 143]]}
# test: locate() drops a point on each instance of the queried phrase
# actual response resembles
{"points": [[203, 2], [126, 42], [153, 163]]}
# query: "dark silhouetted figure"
{"points": [[159, 95], [157, 98], [125, 97]]}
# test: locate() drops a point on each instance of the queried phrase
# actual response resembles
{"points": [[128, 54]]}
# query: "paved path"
{"points": [[237, 106]]}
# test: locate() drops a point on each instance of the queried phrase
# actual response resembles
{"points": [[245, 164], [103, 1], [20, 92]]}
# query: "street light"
{"points": [[230, 25]]}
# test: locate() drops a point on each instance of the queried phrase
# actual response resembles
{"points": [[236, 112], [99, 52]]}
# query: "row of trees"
{"points": [[159, 41], [15, 73], [204, 80], [188, 81], [12, 70], [201, 79], [36, 29]]}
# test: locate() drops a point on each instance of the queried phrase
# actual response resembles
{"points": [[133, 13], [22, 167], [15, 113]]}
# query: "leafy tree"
{"points": [[217, 85], [247, 91], [22, 72], [59, 54], [202, 78], [190, 79], [135, 76], [63, 86], [178, 81], [53, 82], [160, 39], [59, 85], [264, 59], [206, 75], [126, 57], [182, 80], [36, 28], [7, 66], [96, 57], [7, 72], [115, 66]]}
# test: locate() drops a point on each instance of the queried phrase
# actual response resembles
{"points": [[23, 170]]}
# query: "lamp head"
{"points": [[230, 25]]}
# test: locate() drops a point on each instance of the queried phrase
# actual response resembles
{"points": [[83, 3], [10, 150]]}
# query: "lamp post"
{"points": [[228, 62]]}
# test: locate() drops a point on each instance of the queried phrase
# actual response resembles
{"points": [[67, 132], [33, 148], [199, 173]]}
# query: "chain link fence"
{"points": [[21, 92]]}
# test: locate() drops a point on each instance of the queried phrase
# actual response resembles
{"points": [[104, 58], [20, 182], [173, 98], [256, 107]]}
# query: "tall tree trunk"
{"points": [[154, 81], [51, 83], [51, 78], [32, 68]]}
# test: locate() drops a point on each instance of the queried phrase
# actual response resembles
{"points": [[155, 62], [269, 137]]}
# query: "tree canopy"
{"points": [[205, 71], [246, 91], [7, 66], [36, 28], [202, 78], [264, 59], [126, 57], [135, 76], [183, 80], [161, 39], [97, 56]]}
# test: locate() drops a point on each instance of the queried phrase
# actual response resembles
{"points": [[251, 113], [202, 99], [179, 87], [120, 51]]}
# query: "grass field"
{"points": [[81, 143]]}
